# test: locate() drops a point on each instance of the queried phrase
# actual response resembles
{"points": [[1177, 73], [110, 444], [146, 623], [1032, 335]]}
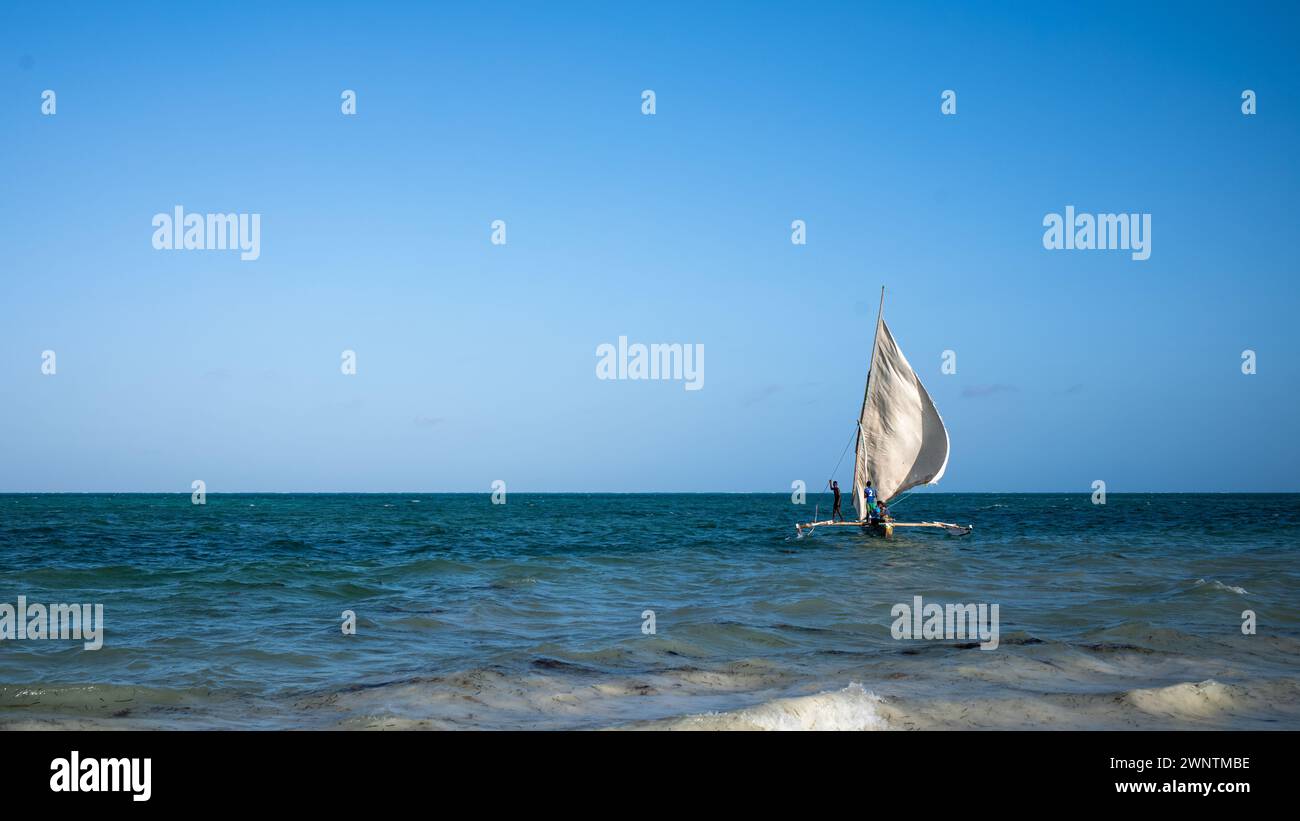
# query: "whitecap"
{"points": [[1218, 585], [853, 708]]}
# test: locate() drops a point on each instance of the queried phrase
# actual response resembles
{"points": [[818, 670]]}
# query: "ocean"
{"points": [[655, 611]]}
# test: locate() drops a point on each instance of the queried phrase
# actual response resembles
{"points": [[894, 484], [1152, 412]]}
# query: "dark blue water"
{"points": [[530, 614]]}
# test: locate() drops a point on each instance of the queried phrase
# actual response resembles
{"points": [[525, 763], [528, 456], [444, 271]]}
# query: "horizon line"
{"points": [[624, 492]]}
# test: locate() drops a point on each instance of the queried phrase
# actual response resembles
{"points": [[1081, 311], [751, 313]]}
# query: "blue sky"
{"points": [[477, 362]]}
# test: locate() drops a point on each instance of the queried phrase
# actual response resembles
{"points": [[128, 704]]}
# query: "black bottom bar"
{"points": [[217, 770]]}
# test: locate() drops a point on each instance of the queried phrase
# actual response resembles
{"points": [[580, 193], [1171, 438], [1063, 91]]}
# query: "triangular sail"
{"points": [[902, 442]]}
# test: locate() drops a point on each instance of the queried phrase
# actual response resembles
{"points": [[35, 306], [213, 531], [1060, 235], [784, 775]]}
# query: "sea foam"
{"points": [[853, 708]]}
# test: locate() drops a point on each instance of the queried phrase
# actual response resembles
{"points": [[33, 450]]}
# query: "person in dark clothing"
{"points": [[835, 488]]}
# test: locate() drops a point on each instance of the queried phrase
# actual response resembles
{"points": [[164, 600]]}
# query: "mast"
{"points": [[859, 493], [880, 317]]}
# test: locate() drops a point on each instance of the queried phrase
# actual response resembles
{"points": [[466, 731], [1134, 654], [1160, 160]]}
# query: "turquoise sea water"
{"points": [[530, 614]]}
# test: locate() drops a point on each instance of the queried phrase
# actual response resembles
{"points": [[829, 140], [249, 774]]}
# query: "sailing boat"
{"points": [[901, 441]]}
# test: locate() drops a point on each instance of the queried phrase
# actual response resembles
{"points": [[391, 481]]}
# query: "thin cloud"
{"points": [[761, 394], [981, 391]]}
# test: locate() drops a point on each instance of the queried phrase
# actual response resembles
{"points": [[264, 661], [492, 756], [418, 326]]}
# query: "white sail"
{"points": [[902, 442]]}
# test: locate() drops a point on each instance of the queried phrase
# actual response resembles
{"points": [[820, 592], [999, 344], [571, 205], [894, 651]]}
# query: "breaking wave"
{"points": [[853, 708]]}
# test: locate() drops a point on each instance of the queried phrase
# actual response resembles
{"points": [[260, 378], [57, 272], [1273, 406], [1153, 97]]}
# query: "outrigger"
{"points": [[901, 441], [884, 528]]}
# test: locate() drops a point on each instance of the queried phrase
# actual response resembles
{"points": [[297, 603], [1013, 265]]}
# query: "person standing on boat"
{"points": [[835, 488], [871, 500]]}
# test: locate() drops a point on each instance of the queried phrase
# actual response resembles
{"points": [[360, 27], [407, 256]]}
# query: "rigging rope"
{"points": [[839, 461], [899, 499], [821, 497]]}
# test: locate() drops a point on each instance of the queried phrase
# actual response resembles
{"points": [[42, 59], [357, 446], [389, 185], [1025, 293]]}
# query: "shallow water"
{"points": [[529, 614]]}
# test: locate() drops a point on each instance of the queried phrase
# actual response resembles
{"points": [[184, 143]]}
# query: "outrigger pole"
{"points": [[947, 527]]}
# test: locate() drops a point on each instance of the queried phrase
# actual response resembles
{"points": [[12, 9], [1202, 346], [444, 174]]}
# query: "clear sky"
{"points": [[477, 362]]}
